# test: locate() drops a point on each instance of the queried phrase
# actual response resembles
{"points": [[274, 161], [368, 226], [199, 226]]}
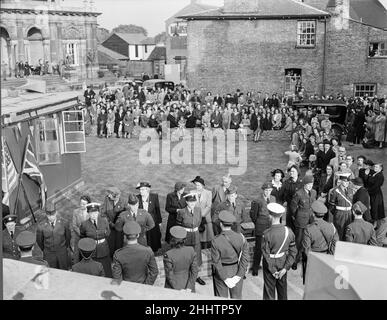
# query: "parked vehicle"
{"points": [[158, 83]]}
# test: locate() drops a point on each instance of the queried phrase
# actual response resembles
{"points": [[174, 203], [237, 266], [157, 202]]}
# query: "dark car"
{"points": [[155, 84], [336, 109]]}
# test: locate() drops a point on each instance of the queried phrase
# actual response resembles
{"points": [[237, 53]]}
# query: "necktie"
{"points": [[11, 234], [95, 224], [52, 225], [267, 200]]}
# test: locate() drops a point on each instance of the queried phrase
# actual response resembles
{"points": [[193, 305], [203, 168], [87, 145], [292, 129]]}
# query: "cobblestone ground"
{"points": [[115, 162]]}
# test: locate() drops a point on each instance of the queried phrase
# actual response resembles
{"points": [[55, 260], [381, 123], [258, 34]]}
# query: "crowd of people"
{"points": [[320, 196]]}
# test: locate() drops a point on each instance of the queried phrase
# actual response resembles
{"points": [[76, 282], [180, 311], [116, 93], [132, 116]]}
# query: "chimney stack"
{"points": [[339, 10]]}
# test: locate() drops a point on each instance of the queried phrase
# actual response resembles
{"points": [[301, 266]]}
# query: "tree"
{"points": [[160, 38], [102, 34], [130, 28]]}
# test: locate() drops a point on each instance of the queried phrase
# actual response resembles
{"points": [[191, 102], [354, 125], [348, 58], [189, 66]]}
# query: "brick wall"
{"points": [[250, 55]]}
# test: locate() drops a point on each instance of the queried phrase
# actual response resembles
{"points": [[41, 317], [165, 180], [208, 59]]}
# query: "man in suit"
{"points": [[324, 157], [175, 200], [219, 192], [89, 95], [26, 241], [230, 259], [150, 202], [233, 205], [87, 265], [134, 262], [10, 233], [261, 218], [301, 212], [133, 213], [53, 236]]}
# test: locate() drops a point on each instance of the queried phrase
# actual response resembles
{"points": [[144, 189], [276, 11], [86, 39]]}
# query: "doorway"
{"points": [[292, 80], [35, 48]]}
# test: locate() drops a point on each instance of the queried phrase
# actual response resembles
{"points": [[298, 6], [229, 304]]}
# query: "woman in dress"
{"points": [[110, 123]]}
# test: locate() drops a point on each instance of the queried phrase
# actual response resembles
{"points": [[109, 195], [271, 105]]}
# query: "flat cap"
{"points": [[132, 200], [358, 181], [131, 228], [50, 208], [87, 244], [275, 209], [226, 217], [319, 208], [343, 175], [178, 232], [267, 185], [92, 207], [9, 218], [179, 185], [307, 179], [359, 207], [143, 184], [25, 239], [231, 190]]}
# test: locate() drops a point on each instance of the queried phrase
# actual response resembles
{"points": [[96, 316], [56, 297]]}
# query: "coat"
{"points": [[375, 182], [300, 207], [380, 128], [362, 232], [153, 235], [88, 230], [238, 211], [218, 196], [172, 204], [181, 269], [205, 205], [260, 215], [362, 195], [90, 267]]}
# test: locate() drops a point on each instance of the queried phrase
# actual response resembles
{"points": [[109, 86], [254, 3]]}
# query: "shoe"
{"points": [[294, 266], [200, 281]]}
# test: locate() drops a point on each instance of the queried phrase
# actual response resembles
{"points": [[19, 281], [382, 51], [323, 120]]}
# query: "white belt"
{"points": [[100, 241], [279, 255], [343, 208], [192, 230]]}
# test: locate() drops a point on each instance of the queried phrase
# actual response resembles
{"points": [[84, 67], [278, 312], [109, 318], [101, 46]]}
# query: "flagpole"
{"points": [[5, 168], [21, 174]]}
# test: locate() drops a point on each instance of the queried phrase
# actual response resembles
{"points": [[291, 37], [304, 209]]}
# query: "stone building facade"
{"points": [[271, 45], [51, 31]]}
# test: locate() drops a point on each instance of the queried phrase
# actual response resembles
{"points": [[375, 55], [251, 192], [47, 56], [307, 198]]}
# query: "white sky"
{"points": [[150, 14]]}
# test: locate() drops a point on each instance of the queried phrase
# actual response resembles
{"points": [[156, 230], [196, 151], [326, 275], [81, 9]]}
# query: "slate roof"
{"points": [[370, 12], [135, 38], [110, 53], [193, 8], [158, 53]]}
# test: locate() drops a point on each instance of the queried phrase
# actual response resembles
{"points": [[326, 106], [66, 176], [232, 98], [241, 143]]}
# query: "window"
{"points": [[306, 33], [178, 29], [47, 142], [73, 131], [292, 79], [71, 54], [377, 49], [363, 89], [136, 50]]}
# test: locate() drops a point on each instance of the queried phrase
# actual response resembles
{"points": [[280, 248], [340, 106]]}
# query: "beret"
{"points": [[87, 244], [178, 232], [226, 217]]}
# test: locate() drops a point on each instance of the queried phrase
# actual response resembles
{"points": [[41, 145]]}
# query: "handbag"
{"points": [[202, 226]]}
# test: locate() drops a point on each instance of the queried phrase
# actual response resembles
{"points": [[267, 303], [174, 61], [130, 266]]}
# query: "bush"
{"points": [[101, 74]]}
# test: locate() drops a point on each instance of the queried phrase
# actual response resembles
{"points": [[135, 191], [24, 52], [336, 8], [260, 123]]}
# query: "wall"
{"points": [[135, 68], [250, 55], [142, 55]]}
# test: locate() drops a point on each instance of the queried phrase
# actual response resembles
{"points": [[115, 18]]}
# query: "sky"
{"points": [[150, 14]]}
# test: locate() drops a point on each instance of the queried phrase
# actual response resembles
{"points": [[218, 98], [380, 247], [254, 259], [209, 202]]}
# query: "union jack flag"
{"points": [[31, 169], [9, 174]]}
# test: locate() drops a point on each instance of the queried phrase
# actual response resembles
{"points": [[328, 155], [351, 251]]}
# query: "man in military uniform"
{"points": [[340, 202], [261, 218], [302, 215], [189, 218], [87, 265], [319, 236], [360, 231], [233, 205], [134, 262], [133, 213], [26, 241], [230, 259], [180, 264], [10, 249], [279, 252], [111, 209], [53, 236]]}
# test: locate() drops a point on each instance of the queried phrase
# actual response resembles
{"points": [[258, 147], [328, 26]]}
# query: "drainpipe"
{"points": [[324, 57]]}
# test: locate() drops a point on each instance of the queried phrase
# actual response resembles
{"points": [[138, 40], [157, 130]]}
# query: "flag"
{"points": [[31, 169], [9, 174]]}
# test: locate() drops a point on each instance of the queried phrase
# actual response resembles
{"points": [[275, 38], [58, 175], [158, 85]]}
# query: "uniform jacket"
{"points": [[10, 248], [271, 243], [362, 232], [336, 198], [318, 235], [53, 239], [111, 211], [143, 218], [181, 268], [223, 252], [34, 260], [185, 219], [153, 206], [300, 207], [88, 230], [260, 215], [238, 211], [135, 263], [89, 266]]}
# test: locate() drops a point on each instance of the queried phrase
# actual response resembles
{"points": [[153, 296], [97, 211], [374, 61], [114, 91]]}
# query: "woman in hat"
{"points": [[366, 172], [380, 127], [326, 182], [276, 182], [175, 200], [97, 228], [80, 215], [180, 263], [375, 182]]}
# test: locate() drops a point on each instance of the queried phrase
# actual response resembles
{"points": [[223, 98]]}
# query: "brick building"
{"points": [[51, 31], [330, 45]]}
